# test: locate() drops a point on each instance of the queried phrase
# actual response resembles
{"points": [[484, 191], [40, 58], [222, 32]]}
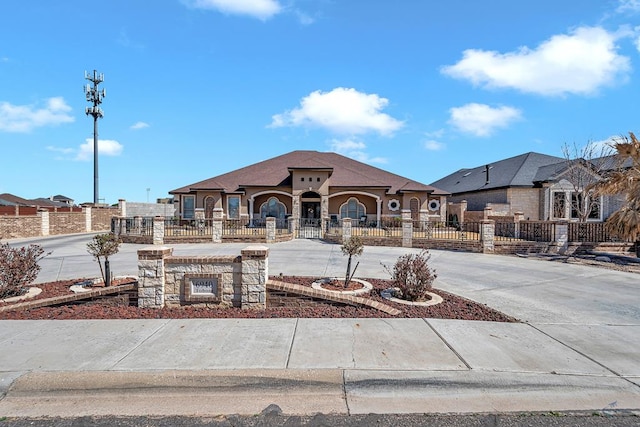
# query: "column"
{"points": [[158, 230], [255, 273], [271, 230], [44, 222], [378, 212], [517, 218], [122, 205], [562, 236], [488, 233], [87, 219], [407, 229], [151, 278], [346, 229], [217, 225]]}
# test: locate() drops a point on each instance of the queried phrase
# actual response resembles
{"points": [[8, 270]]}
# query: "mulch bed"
{"points": [[453, 307]]}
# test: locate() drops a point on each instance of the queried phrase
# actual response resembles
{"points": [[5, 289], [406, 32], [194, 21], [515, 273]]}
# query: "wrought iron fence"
{"points": [[447, 231], [136, 226], [532, 231], [593, 232], [174, 227], [388, 228], [242, 227]]}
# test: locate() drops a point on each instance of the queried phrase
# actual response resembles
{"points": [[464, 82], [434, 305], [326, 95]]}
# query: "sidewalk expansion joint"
{"points": [[293, 337], [458, 355], [140, 344]]}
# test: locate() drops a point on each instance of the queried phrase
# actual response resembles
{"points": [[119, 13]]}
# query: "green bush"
{"points": [[412, 275]]}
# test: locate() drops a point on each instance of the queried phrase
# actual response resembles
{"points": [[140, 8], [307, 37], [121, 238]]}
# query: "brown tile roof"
{"points": [[275, 172]]}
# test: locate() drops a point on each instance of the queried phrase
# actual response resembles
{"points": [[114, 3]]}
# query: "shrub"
{"points": [[412, 275], [352, 247], [103, 246], [18, 268]]}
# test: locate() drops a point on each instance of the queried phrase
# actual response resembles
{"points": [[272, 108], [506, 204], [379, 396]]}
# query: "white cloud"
{"points": [[107, 147], [628, 6], [433, 145], [576, 63], [139, 125], [25, 118], [355, 150], [261, 9], [341, 111], [481, 119]]}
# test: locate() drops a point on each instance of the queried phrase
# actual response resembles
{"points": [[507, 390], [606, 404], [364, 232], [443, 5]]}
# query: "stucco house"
{"points": [[540, 186], [310, 186]]}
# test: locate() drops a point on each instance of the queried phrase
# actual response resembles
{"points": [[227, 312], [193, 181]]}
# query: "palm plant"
{"points": [[625, 222]]}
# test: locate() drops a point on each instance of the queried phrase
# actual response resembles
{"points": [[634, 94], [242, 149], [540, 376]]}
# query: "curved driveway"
{"points": [[578, 347]]}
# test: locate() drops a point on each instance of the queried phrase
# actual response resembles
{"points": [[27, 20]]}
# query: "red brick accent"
{"points": [[219, 259], [331, 296]]}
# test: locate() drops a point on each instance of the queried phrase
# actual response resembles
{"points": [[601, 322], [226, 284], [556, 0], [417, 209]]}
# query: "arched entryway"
{"points": [[310, 216]]}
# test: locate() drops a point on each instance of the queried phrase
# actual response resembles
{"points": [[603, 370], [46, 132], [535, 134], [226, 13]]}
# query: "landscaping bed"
{"points": [[453, 307]]}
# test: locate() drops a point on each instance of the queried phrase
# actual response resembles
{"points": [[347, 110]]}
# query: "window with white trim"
{"points": [[233, 207], [352, 209], [188, 207], [273, 208]]}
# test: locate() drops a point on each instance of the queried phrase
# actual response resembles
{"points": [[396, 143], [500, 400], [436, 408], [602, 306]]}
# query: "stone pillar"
{"points": [[407, 229], [271, 230], [44, 222], [199, 219], [423, 216], [562, 236], [87, 219], [255, 273], [378, 212], [294, 223], [216, 225], [346, 229], [488, 211], [122, 226], [488, 234], [463, 209], [122, 205], [158, 230], [517, 218], [151, 278], [443, 209], [137, 225], [115, 225]]}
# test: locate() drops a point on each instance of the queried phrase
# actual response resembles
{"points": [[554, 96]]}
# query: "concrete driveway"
{"points": [[578, 347]]}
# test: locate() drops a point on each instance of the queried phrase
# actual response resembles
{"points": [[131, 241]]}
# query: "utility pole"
{"points": [[94, 95]]}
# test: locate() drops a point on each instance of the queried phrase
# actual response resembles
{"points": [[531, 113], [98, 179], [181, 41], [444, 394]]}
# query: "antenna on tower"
{"points": [[94, 96]]}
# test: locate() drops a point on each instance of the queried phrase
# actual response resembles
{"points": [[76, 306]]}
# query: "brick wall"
{"points": [[66, 223], [101, 218], [12, 227]]}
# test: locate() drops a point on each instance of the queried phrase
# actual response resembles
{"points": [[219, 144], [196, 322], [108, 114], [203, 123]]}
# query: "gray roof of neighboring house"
{"points": [[518, 171], [276, 172], [4, 202]]}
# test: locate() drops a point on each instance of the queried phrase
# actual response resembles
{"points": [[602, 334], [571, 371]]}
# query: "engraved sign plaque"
{"points": [[202, 287]]}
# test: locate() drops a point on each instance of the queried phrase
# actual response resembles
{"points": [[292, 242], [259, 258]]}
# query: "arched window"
{"points": [[273, 208], [352, 209]]}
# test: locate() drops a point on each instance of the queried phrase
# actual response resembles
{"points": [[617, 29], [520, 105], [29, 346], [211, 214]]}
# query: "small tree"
{"points": [[352, 247], [412, 275], [18, 268], [625, 222], [103, 246], [584, 168]]}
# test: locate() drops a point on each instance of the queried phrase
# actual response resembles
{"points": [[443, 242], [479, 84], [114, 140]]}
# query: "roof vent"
{"points": [[486, 173]]}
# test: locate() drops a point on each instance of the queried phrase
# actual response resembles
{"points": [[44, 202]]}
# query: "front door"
{"points": [[310, 226]]}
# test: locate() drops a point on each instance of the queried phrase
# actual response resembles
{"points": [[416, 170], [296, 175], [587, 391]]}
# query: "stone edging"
{"points": [[435, 299], [32, 292], [331, 296], [366, 287]]}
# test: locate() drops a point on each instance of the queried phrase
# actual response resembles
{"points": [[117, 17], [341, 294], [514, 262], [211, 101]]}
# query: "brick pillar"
{"points": [[271, 230], [488, 234], [255, 273], [562, 236], [44, 222], [158, 230], [87, 219], [217, 225], [151, 278], [123, 226], [407, 229], [488, 211], [199, 217], [346, 229], [137, 225], [115, 225]]}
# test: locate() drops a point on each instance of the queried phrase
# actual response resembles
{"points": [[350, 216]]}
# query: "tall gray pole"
{"points": [[94, 95]]}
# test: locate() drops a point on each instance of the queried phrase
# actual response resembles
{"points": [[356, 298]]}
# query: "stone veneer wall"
{"points": [[241, 279]]}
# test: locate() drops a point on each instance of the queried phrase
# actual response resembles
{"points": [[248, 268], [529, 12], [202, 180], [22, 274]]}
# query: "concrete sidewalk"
{"points": [[348, 366], [578, 348]]}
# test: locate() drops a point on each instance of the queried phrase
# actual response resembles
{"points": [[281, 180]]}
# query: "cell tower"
{"points": [[94, 95]]}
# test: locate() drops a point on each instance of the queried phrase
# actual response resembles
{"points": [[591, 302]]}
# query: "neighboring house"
{"points": [[62, 199], [542, 187], [310, 185], [41, 202]]}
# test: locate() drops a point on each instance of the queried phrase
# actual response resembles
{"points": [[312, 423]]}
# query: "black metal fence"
{"points": [[591, 232], [197, 227]]}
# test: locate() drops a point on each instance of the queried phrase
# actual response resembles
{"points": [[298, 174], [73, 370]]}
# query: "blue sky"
{"points": [[197, 88]]}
